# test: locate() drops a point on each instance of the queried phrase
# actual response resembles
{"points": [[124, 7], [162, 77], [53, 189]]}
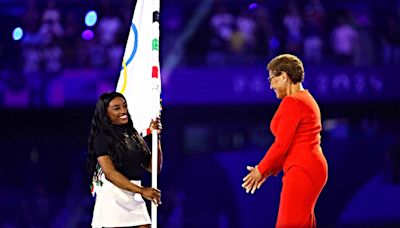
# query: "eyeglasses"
{"points": [[275, 75]]}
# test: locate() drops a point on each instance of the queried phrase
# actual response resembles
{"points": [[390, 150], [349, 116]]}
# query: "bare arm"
{"points": [[156, 125], [119, 180], [115, 177]]}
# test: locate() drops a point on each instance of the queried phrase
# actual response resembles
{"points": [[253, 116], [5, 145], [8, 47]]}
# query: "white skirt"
{"points": [[116, 207]]}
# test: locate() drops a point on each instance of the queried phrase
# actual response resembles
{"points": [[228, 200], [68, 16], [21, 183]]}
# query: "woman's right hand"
{"points": [[152, 194], [253, 180]]}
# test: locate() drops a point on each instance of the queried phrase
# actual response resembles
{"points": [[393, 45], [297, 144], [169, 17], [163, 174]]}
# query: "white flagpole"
{"points": [[154, 177], [156, 103], [140, 79]]}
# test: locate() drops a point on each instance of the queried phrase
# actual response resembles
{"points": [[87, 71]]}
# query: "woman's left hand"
{"points": [[253, 180], [156, 125]]}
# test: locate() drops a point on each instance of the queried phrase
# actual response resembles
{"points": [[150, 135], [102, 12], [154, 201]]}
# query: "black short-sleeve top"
{"points": [[133, 160]]}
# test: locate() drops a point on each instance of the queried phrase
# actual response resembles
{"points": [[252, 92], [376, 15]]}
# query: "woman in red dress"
{"points": [[296, 150]]}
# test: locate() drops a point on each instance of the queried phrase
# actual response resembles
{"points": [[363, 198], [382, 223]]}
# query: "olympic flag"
{"points": [[139, 78]]}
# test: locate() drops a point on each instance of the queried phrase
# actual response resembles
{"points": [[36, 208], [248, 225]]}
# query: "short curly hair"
{"points": [[289, 64]]}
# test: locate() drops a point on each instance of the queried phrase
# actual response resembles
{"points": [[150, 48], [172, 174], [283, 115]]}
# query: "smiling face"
{"points": [[285, 71], [117, 111], [278, 82]]}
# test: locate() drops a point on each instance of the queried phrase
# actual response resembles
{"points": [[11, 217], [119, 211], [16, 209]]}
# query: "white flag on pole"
{"points": [[139, 76], [140, 80]]}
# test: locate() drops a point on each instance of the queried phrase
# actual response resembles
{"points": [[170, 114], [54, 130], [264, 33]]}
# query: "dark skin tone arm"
{"points": [[160, 159], [122, 182], [156, 125]]}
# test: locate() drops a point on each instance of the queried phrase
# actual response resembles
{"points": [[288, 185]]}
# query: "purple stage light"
{"points": [[87, 34], [253, 6]]}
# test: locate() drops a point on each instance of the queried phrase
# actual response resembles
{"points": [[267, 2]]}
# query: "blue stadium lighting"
{"points": [[18, 33], [274, 43], [91, 18], [253, 6]]}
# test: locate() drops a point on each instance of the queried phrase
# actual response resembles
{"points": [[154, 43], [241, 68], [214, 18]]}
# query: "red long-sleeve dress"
{"points": [[296, 150]]}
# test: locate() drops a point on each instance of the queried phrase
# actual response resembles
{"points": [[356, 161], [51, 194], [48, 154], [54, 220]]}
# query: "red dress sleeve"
{"points": [[283, 126]]}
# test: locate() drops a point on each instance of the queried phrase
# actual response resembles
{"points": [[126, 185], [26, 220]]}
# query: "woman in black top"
{"points": [[117, 154]]}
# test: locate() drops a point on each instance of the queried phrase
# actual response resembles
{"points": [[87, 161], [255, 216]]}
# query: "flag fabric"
{"points": [[139, 78]]}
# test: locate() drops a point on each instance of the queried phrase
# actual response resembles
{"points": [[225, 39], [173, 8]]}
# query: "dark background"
{"points": [[216, 108]]}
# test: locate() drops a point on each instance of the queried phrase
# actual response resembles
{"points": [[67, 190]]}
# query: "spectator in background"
{"points": [[247, 26], [266, 43], [314, 31], [390, 40], [293, 23], [71, 40], [173, 21], [242, 41], [32, 54], [109, 40], [50, 36], [51, 33], [344, 38], [237, 46], [30, 43], [364, 48], [315, 15], [222, 25]]}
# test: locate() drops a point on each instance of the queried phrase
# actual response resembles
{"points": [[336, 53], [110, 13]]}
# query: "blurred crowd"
{"points": [[321, 32], [57, 38]]}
